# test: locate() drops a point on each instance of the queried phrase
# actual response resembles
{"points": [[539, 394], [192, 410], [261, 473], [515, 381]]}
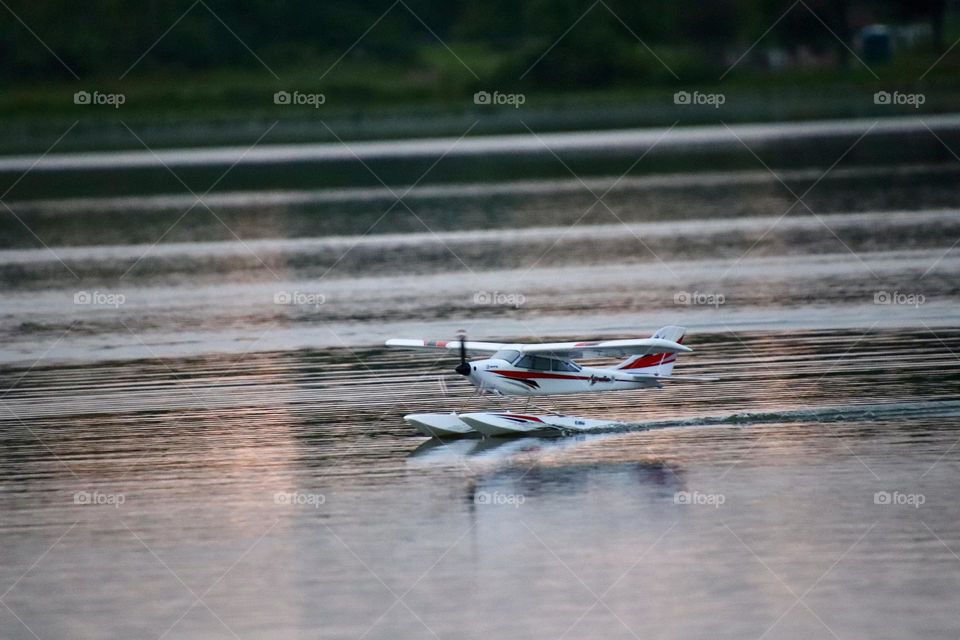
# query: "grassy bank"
{"points": [[376, 100]]}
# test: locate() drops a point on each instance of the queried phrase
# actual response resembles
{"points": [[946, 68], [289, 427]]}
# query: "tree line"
{"points": [[103, 38]]}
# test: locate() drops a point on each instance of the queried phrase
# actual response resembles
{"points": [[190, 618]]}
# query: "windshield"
{"points": [[508, 355], [545, 364]]}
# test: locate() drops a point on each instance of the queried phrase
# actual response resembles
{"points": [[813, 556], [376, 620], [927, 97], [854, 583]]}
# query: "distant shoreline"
{"points": [[33, 120]]}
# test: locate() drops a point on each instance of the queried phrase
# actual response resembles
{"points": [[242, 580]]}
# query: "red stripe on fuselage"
{"points": [[528, 375]]}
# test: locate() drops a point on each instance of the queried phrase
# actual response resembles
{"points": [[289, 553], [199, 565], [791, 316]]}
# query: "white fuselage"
{"points": [[563, 377]]}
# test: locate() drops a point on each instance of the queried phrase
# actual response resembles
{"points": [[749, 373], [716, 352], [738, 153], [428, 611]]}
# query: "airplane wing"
{"points": [[450, 345], [604, 348]]}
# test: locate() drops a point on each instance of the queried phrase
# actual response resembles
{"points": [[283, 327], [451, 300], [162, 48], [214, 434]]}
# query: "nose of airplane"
{"points": [[473, 369]]}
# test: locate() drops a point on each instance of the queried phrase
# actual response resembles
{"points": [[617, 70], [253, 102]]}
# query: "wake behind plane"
{"points": [[519, 369]]}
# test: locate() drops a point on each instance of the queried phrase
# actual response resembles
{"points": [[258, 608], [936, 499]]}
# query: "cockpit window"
{"points": [[534, 362], [541, 364], [538, 363], [562, 365], [526, 362], [508, 355]]}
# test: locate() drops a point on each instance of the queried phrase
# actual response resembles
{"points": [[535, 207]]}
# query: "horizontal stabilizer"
{"points": [[672, 378]]}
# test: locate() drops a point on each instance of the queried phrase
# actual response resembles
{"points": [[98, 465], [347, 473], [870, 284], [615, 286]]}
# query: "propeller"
{"points": [[464, 367]]}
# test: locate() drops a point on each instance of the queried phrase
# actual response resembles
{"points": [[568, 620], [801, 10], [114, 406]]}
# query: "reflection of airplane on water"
{"points": [[527, 466]]}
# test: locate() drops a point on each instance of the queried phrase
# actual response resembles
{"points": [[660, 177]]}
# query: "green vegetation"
{"points": [[578, 63]]}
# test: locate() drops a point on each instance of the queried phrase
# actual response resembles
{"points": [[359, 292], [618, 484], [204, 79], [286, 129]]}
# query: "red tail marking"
{"points": [[652, 360]]}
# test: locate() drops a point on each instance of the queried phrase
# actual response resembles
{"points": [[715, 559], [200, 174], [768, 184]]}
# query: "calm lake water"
{"points": [[201, 437]]}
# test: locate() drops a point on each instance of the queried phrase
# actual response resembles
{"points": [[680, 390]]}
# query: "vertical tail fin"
{"points": [[658, 363]]}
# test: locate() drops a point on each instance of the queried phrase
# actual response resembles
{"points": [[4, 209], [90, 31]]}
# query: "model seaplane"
{"points": [[548, 369]]}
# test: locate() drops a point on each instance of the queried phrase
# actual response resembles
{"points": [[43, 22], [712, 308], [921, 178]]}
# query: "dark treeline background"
{"points": [[501, 38]]}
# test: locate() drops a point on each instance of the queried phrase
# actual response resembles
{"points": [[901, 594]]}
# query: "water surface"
{"points": [[201, 436]]}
